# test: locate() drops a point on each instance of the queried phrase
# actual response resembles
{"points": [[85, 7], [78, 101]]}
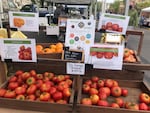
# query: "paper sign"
{"points": [[19, 50], [106, 56], [80, 34], [113, 23], [24, 21], [113, 38], [76, 68], [52, 30]]}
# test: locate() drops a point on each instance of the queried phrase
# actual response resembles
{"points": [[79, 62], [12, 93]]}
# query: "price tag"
{"points": [[76, 68]]}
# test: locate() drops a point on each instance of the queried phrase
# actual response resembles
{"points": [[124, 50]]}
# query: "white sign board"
{"points": [[52, 30], [76, 68], [24, 21], [80, 34], [113, 23], [19, 50], [106, 56]]}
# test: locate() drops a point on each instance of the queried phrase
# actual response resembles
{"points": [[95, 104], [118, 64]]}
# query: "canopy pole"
{"points": [[127, 7], [103, 6], [1, 14], [95, 13]]}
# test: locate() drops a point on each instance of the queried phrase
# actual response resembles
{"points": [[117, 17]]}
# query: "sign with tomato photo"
{"points": [[24, 21], [18, 50], [106, 56], [113, 23]]}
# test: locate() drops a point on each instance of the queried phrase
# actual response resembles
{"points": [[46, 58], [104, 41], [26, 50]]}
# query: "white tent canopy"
{"points": [[146, 9], [72, 1]]}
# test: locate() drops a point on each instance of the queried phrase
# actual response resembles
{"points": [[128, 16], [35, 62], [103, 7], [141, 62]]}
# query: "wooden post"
{"points": [[3, 72]]}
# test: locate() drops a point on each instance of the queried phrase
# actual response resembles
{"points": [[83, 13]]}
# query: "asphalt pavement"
{"points": [[145, 51]]}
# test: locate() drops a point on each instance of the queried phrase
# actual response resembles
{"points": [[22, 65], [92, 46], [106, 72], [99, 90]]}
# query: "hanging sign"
{"points": [[18, 50], [24, 21]]}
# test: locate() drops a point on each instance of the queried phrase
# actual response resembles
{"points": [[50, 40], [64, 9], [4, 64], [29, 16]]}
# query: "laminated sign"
{"points": [[113, 23], [18, 50], [24, 21], [52, 30]]}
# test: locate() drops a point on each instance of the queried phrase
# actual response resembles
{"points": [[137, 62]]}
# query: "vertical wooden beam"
{"points": [[3, 71]]}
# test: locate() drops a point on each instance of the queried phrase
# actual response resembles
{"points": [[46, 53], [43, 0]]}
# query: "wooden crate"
{"points": [[134, 89], [138, 60], [40, 67], [50, 55]]}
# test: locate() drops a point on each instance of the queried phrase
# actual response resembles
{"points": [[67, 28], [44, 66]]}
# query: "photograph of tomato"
{"points": [[112, 26], [18, 22], [25, 53], [107, 53]]}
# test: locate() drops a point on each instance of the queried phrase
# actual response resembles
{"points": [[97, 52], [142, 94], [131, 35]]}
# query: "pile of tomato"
{"points": [[32, 86]]}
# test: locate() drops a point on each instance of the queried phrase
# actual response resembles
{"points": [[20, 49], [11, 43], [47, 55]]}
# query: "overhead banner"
{"points": [[113, 23], [24, 21]]}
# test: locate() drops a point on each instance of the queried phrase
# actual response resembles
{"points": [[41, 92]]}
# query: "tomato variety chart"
{"points": [[106, 56], [80, 35], [24, 21], [113, 23], [18, 50]]}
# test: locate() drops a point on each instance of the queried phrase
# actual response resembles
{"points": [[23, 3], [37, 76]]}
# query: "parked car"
{"points": [[34, 8]]}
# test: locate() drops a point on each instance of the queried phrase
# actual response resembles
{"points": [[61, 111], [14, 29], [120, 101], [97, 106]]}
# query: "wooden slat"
{"points": [[132, 66], [3, 72]]}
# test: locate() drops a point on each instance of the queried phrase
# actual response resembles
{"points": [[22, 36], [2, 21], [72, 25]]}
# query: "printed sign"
{"points": [[73, 55], [24, 21], [52, 30], [113, 23], [19, 50], [76, 68], [80, 34], [106, 56]]}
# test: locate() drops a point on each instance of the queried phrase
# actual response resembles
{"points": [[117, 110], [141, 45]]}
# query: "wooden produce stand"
{"points": [[130, 77]]}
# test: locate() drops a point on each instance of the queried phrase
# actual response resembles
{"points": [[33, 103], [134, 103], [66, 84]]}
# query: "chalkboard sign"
{"points": [[73, 55]]}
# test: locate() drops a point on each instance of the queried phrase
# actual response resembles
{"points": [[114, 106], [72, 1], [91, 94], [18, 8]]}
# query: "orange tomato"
{"points": [[39, 49]]}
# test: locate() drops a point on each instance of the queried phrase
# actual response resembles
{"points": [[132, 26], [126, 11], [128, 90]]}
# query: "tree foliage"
{"points": [[141, 5], [115, 6]]}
